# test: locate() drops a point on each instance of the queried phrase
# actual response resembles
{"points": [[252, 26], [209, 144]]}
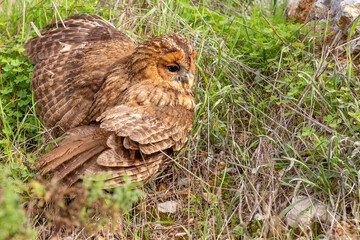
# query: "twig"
{"points": [[58, 14], [275, 31], [23, 25], [32, 25]]}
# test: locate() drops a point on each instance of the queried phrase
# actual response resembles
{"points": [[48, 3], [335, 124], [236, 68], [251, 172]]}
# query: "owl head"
{"points": [[167, 60]]}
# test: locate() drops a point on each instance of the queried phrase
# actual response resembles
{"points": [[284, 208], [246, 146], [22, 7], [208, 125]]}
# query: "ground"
{"points": [[274, 151]]}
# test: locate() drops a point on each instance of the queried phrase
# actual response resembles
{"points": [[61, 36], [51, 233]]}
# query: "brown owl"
{"points": [[123, 108]]}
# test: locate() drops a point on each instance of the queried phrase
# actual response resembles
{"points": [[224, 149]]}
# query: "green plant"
{"points": [[274, 104], [13, 219]]}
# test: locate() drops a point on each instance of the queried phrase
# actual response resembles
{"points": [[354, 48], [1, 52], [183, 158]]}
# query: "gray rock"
{"points": [[299, 9], [334, 8], [346, 13], [292, 6], [304, 211], [355, 46], [168, 207], [321, 8], [342, 13]]}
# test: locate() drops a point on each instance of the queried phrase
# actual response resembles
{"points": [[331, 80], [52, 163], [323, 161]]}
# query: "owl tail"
{"points": [[76, 153], [90, 150]]}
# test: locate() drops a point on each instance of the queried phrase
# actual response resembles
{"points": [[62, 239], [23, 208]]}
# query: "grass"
{"points": [[277, 120]]}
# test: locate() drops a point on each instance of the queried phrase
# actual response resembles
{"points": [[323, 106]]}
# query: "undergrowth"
{"points": [[276, 124]]}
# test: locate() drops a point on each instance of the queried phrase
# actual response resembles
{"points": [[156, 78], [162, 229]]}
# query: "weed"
{"points": [[277, 117], [13, 220]]}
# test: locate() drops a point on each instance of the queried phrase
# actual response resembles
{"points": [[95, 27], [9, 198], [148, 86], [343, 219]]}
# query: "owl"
{"points": [[120, 109]]}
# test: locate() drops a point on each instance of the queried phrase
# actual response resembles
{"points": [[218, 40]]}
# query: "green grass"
{"points": [[275, 120]]}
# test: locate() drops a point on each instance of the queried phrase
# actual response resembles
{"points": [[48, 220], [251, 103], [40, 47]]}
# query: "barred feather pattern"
{"points": [[71, 65], [122, 110]]}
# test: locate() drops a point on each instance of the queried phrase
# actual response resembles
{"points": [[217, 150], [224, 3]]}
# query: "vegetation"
{"points": [[277, 125]]}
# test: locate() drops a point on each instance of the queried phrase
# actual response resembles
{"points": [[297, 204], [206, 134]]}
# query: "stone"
{"points": [[299, 9], [342, 14], [168, 207], [304, 211], [348, 12], [321, 8]]}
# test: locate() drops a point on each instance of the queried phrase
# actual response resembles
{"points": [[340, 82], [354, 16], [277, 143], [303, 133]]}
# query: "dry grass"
{"points": [[275, 126]]}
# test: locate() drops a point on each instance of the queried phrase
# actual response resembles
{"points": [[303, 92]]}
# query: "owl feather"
{"points": [[121, 109]]}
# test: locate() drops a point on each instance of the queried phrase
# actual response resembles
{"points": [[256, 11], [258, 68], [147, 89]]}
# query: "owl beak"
{"points": [[186, 78]]}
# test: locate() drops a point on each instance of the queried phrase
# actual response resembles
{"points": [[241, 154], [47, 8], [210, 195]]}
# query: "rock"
{"points": [[321, 8], [348, 11], [342, 14], [334, 8], [299, 9], [291, 8], [168, 207], [304, 211], [355, 47]]}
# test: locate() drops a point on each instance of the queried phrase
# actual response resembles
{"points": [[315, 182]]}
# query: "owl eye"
{"points": [[173, 68]]}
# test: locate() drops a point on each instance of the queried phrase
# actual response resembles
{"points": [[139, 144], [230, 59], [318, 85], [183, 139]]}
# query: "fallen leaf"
{"points": [[161, 187], [184, 182], [210, 198]]}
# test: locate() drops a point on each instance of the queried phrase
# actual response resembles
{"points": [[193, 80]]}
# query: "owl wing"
{"points": [[126, 140], [79, 30], [71, 65], [153, 131], [154, 128]]}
